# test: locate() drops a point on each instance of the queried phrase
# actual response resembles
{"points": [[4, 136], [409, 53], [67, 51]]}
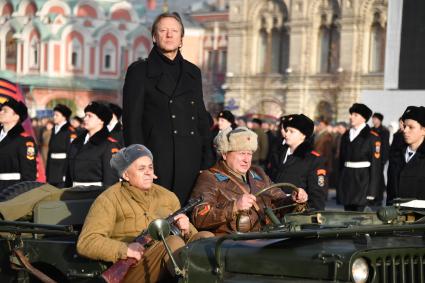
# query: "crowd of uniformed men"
{"points": [[314, 157]]}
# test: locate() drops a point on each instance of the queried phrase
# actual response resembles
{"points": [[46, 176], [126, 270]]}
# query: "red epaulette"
{"points": [[25, 134], [71, 128], [374, 133], [111, 139], [315, 153]]}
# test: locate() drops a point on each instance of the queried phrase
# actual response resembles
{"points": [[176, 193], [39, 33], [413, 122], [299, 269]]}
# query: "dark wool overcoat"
{"points": [[57, 157], [90, 162], [18, 155], [356, 184], [305, 168], [171, 122], [407, 180]]}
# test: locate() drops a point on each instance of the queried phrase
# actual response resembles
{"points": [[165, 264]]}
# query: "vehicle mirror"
{"points": [[159, 229]]}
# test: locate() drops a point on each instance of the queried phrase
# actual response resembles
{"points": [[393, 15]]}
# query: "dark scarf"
{"points": [[171, 68]]}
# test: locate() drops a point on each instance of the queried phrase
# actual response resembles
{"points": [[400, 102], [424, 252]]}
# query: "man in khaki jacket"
{"points": [[229, 188], [120, 213]]}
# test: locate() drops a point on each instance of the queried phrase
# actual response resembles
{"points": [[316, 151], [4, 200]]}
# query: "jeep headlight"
{"points": [[360, 270]]}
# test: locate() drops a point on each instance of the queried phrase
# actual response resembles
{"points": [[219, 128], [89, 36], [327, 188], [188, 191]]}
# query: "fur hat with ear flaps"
{"points": [[239, 139]]}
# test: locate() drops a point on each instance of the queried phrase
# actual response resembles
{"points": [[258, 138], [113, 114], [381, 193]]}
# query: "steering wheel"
{"points": [[243, 223], [298, 207]]}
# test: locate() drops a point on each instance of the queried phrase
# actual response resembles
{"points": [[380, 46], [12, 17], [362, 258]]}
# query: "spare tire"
{"points": [[17, 189]]}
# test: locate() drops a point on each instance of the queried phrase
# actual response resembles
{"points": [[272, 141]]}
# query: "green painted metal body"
{"points": [[50, 248], [310, 247], [318, 247]]}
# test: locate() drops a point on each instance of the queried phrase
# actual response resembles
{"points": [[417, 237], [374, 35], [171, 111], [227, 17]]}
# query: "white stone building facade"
{"points": [[304, 56]]}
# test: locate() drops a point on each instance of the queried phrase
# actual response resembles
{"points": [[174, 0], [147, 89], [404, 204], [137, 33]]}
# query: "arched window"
{"points": [[121, 15], [324, 49], [324, 109], [75, 54], [11, 50], [34, 53], [377, 46], [211, 62], [7, 10], [140, 52], [262, 51], [223, 61], [276, 47], [271, 44], [284, 58], [109, 56], [30, 10], [329, 40], [87, 11]]}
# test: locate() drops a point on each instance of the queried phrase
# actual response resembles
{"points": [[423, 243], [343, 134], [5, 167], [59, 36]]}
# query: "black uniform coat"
{"points": [[171, 122], [355, 184], [18, 155], [117, 134], [396, 149], [384, 135], [90, 162], [305, 168], [59, 144], [407, 180], [397, 145]]}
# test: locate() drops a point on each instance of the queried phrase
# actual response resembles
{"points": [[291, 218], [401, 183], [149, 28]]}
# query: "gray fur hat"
{"points": [[121, 160], [239, 139]]}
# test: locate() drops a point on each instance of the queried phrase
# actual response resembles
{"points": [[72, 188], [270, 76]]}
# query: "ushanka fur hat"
{"points": [[226, 114], [239, 139], [121, 160], [64, 110], [18, 106], [302, 123], [416, 113], [100, 110], [361, 109]]}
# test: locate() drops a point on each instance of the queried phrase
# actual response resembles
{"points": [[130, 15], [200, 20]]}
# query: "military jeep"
{"points": [[321, 246], [318, 246], [43, 240]]}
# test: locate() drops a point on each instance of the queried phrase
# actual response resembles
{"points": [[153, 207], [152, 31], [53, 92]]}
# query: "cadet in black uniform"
{"points": [[17, 148], [62, 136], [384, 135], [90, 153], [406, 176], [398, 145], [115, 126], [276, 148], [360, 161], [297, 163]]}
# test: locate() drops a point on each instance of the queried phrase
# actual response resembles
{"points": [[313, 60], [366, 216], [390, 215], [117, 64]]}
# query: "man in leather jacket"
{"points": [[229, 188]]}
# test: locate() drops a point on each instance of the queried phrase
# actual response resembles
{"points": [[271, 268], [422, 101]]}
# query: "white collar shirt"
{"points": [[58, 127], [409, 154], [355, 132]]}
